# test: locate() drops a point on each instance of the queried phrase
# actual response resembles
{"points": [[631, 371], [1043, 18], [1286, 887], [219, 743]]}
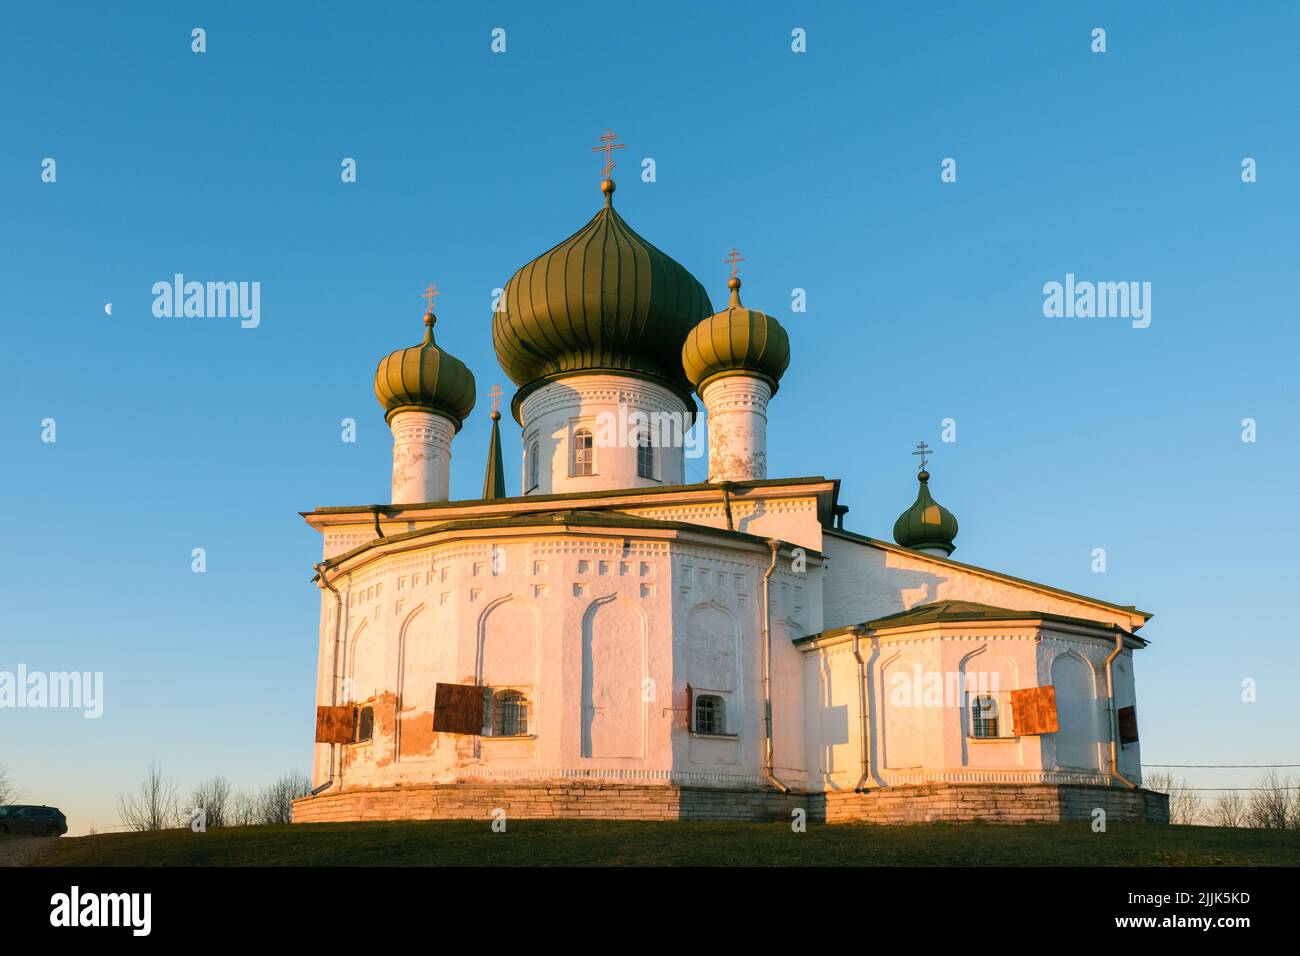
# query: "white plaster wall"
{"points": [[597, 632], [612, 407], [920, 724]]}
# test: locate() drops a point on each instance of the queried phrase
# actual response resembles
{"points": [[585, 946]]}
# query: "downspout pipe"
{"points": [[334, 667], [1114, 714], [865, 729], [768, 774]]}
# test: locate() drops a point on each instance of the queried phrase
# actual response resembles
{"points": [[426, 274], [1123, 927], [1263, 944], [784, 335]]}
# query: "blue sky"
{"points": [[924, 303]]}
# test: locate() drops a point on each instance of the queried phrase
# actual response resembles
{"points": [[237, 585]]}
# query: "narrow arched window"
{"points": [[645, 455], [364, 728], [582, 453], [710, 715], [509, 714], [534, 466], [984, 716]]}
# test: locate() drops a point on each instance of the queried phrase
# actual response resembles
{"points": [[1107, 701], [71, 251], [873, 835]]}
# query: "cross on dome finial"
{"points": [[734, 259], [923, 450], [495, 393], [429, 295]]}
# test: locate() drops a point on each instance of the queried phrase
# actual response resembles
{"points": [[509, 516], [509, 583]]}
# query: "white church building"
{"points": [[611, 641]]}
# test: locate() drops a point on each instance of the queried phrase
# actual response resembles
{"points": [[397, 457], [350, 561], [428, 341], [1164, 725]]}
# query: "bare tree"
{"points": [[243, 810], [154, 807], [1270, 806], [1228, 809], [1184, 802], [212, 796], [275, 803], [8, 790]]}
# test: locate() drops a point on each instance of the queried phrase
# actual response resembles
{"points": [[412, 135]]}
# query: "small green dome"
{"points": [[736, 339], [927, 524], [603, 299], [424, 376]]}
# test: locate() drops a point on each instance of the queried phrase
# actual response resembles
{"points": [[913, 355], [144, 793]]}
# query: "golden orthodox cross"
{"points": [[430, 294], [922, 449], [608, 146], [496, 396], [734, 259]]}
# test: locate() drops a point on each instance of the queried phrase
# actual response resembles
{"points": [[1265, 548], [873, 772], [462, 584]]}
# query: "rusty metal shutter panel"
{"points": [[458, 709], [690, 708], [1033, 711], [334, 724], [1128, 725]]}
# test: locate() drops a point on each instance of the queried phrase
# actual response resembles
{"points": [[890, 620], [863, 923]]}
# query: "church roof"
{"points": [[963, 612], [1130, 609], [603, 299], [558, 519]]}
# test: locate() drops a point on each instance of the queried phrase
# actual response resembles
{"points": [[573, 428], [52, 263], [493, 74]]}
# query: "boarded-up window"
{"points": [[1128, 725], [1033, 710], [458, 709], [334, 724], [365, 724]]}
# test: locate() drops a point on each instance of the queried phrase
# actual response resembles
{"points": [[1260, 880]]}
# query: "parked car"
{"points": [[38, 821]]}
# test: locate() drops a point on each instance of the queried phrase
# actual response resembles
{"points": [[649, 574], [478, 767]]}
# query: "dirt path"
{"points": [[24, 850]]}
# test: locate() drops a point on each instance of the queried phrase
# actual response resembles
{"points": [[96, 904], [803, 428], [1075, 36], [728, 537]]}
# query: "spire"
{"points": [[494, 480]]}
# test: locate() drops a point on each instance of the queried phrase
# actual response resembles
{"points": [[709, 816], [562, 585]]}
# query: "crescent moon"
{"points": [[108, 309]]}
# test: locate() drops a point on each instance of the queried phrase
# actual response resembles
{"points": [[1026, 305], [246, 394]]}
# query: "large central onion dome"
{"points": [[602, 300]]}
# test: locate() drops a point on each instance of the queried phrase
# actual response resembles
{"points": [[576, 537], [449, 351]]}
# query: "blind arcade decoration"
{"points": [[458, 709], [1033, 710]]}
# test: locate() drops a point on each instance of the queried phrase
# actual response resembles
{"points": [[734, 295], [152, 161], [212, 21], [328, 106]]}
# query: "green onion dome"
{"points": [[927, 524], [603, 299], [736, 340], [425, 377]]}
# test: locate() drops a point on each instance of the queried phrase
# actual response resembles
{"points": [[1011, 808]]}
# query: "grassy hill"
{"points": [[627, 843]]}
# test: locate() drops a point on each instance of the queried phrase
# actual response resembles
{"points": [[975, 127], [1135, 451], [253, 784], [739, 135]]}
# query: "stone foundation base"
{"points": [[540, 801], [994, 803], [930, 803]]}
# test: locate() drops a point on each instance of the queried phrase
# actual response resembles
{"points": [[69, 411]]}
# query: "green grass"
{"points": [[628, 843]]}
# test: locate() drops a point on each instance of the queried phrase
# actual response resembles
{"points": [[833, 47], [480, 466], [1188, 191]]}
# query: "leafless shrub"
{"points": [[212, 796], [153, 807], [1271, 805], [8, 789], [275, 803], [1228, 809], [243, 810], [1184, 803]]}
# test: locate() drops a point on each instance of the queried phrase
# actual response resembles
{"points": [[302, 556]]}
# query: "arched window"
{"points": [[534, 466], [984, 716], [710, 715], [645, 455], [582, 453], [509, 714], [364, 728]]}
